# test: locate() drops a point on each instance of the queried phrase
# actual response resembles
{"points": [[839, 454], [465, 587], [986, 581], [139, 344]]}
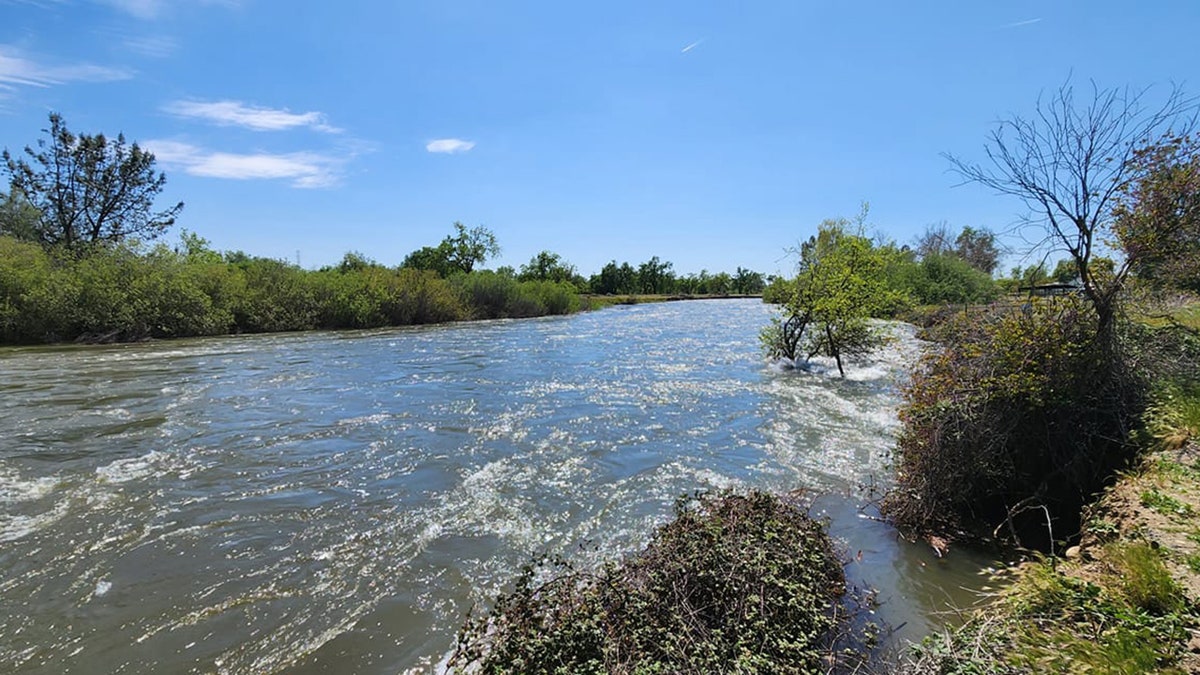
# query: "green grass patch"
{"points": [[1132, 621], [1165, 504]]}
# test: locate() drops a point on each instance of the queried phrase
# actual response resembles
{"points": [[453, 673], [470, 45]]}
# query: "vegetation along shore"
{"points": [[1061, 425]]}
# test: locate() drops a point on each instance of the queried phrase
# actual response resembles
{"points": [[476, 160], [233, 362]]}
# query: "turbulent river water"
{"points": [[336, 502]]}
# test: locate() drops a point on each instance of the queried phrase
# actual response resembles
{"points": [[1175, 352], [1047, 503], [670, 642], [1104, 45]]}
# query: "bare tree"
{"points": [[1067, 163]]}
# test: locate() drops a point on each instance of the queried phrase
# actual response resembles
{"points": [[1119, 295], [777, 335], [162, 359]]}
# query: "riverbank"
{"points": [[1126, 600]]}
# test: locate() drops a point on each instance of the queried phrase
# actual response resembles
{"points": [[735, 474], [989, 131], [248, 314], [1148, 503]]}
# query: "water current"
{"points": [[336, 502]]}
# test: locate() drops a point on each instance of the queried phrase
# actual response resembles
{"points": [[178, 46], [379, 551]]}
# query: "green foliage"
{"points": [[1157, 219], [735, 584], [1166, 504], [1015, 411], [86, 190], [1173, 417], [457, 253], [121, 293], [547, 266], [940, 279], [840, 286], [1047, 621], [1143, 579]]}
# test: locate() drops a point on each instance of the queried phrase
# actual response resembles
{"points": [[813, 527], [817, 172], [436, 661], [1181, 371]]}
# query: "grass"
{"points": [[1166, 504], [1130, 620]]}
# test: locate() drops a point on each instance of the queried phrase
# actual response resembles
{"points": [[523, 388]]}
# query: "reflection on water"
{"points": [[335, 502]]}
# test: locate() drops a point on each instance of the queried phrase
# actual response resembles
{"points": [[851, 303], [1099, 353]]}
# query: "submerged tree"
{"points": [[88, 189], [841, 283]]}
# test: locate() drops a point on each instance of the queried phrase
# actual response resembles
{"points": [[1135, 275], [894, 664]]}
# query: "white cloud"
{"points": [[238, 114], [303, 169], [152, 9], [17, 69], [449, 146]]}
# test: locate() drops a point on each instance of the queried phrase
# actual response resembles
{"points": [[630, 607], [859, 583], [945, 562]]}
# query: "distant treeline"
{"points": [[117, 293], [125, 292]]}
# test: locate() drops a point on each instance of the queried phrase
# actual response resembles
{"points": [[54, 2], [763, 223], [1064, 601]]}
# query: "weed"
{"points": [[1166, 504]]}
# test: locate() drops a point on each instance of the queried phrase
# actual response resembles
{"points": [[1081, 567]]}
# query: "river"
{"points": [[336, 502]]}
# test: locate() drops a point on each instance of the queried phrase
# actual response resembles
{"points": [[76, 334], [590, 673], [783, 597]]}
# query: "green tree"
{"points": [[547, 266], [459, 252], [18, 218], [654, 276], [89, 189], [614, 279], [978, 249], [748, 282], [841, 283], [1158, 213]]}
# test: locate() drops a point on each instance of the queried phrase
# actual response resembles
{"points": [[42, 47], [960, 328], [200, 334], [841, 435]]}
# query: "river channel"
{"points": [[336, 502]]}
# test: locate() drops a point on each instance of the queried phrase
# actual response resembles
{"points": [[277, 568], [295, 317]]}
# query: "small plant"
{"points": [[1165, 504], [1143, 579]]}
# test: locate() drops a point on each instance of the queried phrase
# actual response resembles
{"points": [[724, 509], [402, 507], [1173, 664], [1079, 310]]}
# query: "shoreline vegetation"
{"points": [[1018, 415]]}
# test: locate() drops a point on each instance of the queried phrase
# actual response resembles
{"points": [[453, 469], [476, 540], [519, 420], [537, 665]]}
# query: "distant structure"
{"points": [[1052, 289]]}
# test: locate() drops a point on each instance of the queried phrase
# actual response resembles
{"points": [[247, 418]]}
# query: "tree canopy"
{"points": [[840, 284], [459, 252], [85, 189]]}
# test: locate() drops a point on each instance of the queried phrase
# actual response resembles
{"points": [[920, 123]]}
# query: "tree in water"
{"points": [[87, 189], [841, 283]]}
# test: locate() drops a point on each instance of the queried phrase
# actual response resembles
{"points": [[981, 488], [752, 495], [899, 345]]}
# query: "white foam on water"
{"points": [[15, 489], [125, 470]]}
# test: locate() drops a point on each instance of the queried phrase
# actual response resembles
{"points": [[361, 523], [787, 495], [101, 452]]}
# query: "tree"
{"points": [[547, 266], [459, 252], [89, 189], [614, 279], [748, 282], [654, 276], [1158, 213], [841, 283], [18, 218], [1068, 163], [978, 249], [937, 240]]}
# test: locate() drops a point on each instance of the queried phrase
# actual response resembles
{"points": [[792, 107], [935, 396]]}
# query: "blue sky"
{"points": [[710, 134]]}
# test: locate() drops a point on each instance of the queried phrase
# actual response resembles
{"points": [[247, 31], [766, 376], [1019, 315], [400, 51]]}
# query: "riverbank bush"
{"points": [[1012, 423], [123, 293], [734, 584]]}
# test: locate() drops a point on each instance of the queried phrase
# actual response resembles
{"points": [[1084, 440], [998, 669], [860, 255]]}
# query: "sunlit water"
{"points": [[336, 502]]}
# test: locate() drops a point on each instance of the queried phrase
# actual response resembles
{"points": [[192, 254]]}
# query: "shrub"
{"points": [[734, 584], [1017, 418]]}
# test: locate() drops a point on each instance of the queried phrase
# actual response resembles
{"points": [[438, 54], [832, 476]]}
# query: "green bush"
{"points": [[735, 584], [1017, 417]]}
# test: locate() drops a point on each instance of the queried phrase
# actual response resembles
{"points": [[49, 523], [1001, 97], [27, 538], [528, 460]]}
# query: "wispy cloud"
{"points": [[692, 46], [449, 146], [152, 9], [238, 114], [19, 69], [302, 169], [156, 46], [1026, 22]]}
